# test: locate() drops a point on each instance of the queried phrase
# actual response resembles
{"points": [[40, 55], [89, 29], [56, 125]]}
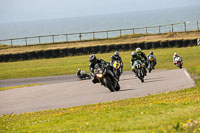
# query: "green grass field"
{"points": [[168, 112], [69, 65]]}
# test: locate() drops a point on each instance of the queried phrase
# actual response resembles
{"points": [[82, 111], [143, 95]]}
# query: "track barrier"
{"points": [[95, 49]]}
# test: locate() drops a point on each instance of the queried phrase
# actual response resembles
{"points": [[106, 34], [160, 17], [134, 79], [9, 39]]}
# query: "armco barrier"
{"points": [[87, 50], [95, 49], [110, 48], [179, 43], [72, 51], [56, 53], [141, 45], [163, 44], [148, 45], [171, 43], [118, 47], [79, 51], [186, 43], [156, 44], [193, 42], [103, 49], [125, 47], [133, 46]]}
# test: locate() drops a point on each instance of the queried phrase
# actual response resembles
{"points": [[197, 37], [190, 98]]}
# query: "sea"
{"points": [[126, 20]]}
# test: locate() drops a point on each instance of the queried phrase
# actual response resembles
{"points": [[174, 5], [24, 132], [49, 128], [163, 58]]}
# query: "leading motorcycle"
{"points": [[106, 77]]}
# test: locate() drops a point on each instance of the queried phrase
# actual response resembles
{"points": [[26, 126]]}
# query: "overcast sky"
{"points": [[26, 10]]}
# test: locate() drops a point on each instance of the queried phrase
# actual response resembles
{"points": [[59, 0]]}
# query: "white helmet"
{"points": [[175, 54]]}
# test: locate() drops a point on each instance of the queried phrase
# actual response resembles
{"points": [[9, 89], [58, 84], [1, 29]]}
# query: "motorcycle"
{"points": [[179, 62], [117, 68], [106, 77], [83, 75], [150, 63], [139, 70]]}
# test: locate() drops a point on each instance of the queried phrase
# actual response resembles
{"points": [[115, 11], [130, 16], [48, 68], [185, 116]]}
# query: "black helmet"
{"points": [[92, 58], [116, 53], [151, 52], [134, 54]]}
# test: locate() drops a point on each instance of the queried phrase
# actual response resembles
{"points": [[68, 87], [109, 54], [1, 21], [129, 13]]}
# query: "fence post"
{"points": [[120, 31], [107, 34], [80, 36], [93, 35], [172, 28], [133, 31], [25, 40], [146, 30], [198, 25], [53, 38], [66, 37], [39, 39], [159, 29], [185, 26], [11, 42]]}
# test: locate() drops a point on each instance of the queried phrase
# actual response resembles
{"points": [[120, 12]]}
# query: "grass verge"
{"points": [[69, 65], [20, 86], [168, 112]]}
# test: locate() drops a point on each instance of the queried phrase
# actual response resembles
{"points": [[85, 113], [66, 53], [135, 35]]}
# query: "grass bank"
{"points": [[6, 49], [168, 112], [69, 65]]}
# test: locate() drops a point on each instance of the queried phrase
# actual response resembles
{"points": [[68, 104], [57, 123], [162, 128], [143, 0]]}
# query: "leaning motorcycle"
{"points": [[150, 63], [117, 68], [179, 62], [106, 77], [139, 70]]}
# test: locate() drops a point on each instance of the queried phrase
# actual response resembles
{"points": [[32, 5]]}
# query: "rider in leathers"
{"points": [[143, 58], [134, 57], [118, 58], [93, 61], [154, 61]]}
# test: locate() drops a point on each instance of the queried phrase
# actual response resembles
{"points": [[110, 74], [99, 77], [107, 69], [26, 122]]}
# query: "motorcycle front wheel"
{"points": [[108, 84]]}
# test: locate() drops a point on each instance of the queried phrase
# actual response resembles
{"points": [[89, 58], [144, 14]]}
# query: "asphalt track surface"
{"points": [[68, 91]]}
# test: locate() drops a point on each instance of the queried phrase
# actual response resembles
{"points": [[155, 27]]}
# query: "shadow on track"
{"points": [[127, 89]]}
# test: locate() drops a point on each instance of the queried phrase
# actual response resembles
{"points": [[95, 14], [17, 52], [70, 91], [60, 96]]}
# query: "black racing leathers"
{"points": [[92, 67]]}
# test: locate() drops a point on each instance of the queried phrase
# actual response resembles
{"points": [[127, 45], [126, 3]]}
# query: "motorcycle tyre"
{"points": [[141, 76], [117, 88], [108, 84]]}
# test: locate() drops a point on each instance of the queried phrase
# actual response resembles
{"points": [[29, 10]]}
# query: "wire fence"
{"points": [[108, 34]]}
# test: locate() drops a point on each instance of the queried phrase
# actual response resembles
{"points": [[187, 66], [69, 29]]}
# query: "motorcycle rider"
{"points": [[93, 61], [175, 56], [80, 73], [118, 58], [134, 57], [151, 53], [143, 58]]}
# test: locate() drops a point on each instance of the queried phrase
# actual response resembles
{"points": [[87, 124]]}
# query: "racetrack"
{"points": [[68, 91]]}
